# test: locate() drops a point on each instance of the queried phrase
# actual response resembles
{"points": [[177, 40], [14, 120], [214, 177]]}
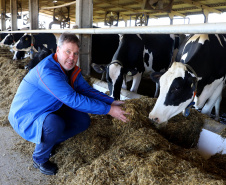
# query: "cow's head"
{"points": [[127, 61], [38, 57], [8, 40], [24, 44], [114, 75], [44, 53], [177, 90]]}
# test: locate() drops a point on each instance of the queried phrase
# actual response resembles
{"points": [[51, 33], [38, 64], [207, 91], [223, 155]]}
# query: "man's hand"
{"points": [[117, 112], [117, 103]]}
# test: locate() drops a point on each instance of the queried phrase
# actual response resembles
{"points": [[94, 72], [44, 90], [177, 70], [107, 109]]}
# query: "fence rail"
{"points": [[204, 28]]}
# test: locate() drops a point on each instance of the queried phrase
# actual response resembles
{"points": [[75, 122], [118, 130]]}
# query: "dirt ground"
{"points": [[15, 168]]}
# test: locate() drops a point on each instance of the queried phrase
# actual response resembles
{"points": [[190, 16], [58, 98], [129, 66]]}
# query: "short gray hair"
{"points": [[68, 37]]}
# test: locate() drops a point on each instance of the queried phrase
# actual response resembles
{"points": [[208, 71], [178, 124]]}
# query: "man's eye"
{"points": [[68, 52], [75, 54]]}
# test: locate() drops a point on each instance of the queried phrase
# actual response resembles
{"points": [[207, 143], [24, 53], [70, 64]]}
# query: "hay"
{"points": [[113, 152], [11, 74]]}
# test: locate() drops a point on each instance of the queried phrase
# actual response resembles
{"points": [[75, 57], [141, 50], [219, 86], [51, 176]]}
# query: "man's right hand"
{"points": [[118, 113]]}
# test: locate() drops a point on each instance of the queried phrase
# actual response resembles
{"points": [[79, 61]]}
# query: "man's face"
{"points": [[67, 55]]}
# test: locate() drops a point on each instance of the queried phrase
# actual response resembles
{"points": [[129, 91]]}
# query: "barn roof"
{"points": [[129, 9]]}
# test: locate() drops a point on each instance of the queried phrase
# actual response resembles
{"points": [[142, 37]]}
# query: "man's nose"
{"points": [[71, 56]]}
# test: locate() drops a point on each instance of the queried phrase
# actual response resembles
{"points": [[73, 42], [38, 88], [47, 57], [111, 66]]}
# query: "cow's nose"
{"points": [[154, 120]]}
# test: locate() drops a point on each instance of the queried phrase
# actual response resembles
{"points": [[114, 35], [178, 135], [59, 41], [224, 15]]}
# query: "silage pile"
{"points": [[11, 73], [113, 152]]}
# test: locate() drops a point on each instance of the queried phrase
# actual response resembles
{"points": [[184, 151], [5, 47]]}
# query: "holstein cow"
{"points": [[38, 57], [39, 41], [137, 54], [19, 55], [103, 48], [197, 77], [9, 40], [3, 35]]}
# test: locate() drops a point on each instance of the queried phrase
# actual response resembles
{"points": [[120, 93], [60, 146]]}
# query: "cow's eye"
{"points": [[175, 89]]}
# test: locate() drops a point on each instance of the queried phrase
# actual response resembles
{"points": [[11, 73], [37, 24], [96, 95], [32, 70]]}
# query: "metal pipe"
{"points": [[204, 28]]}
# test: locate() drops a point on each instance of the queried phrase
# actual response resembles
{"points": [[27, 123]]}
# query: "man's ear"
{"points": [[57, 50]]}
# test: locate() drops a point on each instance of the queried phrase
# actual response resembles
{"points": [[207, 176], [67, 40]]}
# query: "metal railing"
{"points": [[204, 28]]}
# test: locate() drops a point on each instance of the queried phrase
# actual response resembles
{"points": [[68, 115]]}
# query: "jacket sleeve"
{"points": [[55, 84], [84, 88]]}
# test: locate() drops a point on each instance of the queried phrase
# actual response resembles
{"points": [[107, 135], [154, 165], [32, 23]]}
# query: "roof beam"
{"points": [[122, 7], [177, 14], [202, 6]]}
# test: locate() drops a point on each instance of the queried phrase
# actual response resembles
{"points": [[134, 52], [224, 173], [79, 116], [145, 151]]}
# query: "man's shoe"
{"points": [[47, 168]]}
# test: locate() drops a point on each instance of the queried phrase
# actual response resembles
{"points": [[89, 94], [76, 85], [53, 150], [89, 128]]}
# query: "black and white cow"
{"points": [[40, 40], [2, 36], [40, 55], [197, 77], [137, 54], [18, 55], [10, 39]]}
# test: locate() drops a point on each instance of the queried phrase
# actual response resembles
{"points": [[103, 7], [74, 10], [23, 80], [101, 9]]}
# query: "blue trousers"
{"points": [[58, 127]]}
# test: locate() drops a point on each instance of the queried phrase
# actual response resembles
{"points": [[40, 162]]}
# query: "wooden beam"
{"points": [[33, 14], [3, 13], [202, 6], [177, 14], [13, 10], [59, 6], [84, 19]]}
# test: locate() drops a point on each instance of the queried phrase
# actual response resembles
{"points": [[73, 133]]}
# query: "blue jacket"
{"points": [[44, 90]]}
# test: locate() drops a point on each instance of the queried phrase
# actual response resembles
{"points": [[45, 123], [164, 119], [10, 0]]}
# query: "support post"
{"points": [[84, 19], [13, 10], [3, 13], [33, 14], [171, 18], [206, 15]]}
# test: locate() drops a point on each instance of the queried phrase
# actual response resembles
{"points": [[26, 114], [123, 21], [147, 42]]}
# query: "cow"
{"points": [[135, 55], [18, 55], [197, 78], [10, 39], [2, 36], [40, 55], [38, 41], [103, 48]]}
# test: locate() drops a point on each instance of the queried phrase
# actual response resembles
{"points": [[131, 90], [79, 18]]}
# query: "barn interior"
{"points": [[110, 152]]}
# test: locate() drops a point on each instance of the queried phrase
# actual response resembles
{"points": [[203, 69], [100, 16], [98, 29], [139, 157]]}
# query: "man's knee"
{"points": [[86, 122], [53, 124]]}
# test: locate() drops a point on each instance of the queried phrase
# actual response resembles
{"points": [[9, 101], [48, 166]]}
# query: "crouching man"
{"points": [[53, 101]]}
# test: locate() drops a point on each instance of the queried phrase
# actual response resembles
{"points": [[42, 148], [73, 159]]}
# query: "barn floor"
{"points": [[15, 168]]}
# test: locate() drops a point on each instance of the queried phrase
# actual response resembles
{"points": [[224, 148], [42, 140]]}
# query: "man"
{"points": [[53, 101]]}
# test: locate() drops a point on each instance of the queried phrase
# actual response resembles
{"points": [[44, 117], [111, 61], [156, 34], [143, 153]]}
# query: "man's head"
{"points": [[68, 50]]}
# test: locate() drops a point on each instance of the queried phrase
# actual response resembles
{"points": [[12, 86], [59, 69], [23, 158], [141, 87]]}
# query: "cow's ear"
{"points": [[99, 68], [155, 76], [193, 81]]}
